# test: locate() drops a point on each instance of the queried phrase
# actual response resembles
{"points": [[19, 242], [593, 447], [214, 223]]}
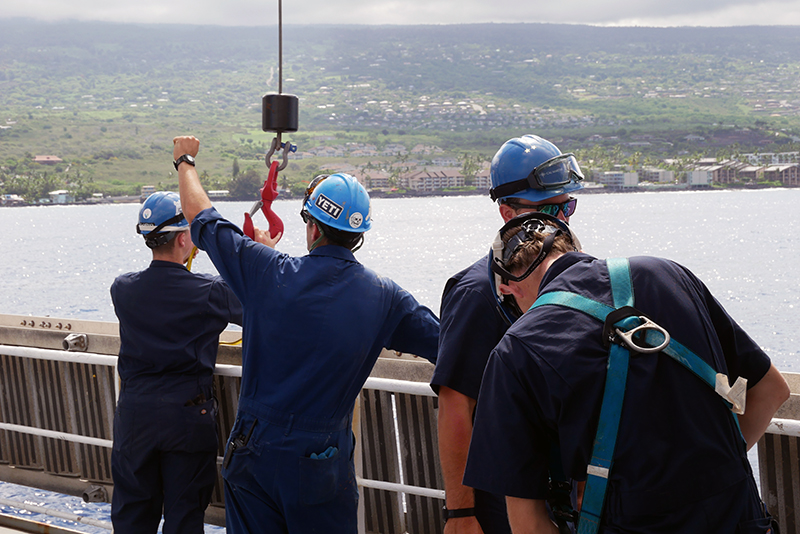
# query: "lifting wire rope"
{"points": [[279, 113]]}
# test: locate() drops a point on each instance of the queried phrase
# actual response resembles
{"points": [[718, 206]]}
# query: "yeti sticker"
{"points": [[356, 219], [328, 206]]}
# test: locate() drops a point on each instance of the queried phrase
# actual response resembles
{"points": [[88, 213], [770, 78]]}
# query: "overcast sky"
{"points": [[264, 12]]}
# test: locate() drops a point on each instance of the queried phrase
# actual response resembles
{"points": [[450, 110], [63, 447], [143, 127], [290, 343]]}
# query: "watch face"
{"points": [[189, 159]]}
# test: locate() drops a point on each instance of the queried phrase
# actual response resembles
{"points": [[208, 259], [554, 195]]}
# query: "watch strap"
{"points": [[456, 513], [185, 158]]}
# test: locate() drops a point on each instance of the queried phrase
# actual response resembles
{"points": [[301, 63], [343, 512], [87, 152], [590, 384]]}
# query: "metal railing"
{"points": [[233, 371], [380, 389]]}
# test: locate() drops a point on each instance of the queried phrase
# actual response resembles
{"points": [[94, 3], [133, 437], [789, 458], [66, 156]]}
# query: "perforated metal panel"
{"points": [[417, 438], [79, 399], [64, 397]]}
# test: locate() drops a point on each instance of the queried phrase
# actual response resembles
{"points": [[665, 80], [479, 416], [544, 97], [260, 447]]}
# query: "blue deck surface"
{"points": [[63, 503]]}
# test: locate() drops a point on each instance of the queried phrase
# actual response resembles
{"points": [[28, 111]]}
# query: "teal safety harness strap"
{"points": [[616, 377]]}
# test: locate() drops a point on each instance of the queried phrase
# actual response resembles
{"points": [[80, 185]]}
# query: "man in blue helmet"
{"points": [[528, 174], [313, 329], [165, 424], [624, 366]]}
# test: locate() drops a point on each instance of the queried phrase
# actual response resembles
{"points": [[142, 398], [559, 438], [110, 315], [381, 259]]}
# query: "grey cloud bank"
{"points": [[252, 13]]}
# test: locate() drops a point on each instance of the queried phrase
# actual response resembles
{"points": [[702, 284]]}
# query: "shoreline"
{"points": [[135, 199]]}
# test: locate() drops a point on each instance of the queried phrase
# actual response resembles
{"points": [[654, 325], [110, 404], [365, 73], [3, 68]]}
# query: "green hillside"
{"points": [[108, 98]]}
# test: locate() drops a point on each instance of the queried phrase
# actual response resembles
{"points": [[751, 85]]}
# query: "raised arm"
{"points": [[193, 196]]}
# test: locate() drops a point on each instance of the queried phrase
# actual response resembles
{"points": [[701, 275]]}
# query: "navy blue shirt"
{"points": [[471, 327], [313, 325], [677, 441], [169, 324]]}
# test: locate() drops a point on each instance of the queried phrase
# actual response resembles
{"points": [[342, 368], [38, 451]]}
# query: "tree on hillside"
{"points": [[470, 165], [34, 186], [205, 179], [635, 160], [246, 185]]}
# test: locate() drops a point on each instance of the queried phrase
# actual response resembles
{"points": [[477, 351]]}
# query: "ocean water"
{"points": [[60, 260]]}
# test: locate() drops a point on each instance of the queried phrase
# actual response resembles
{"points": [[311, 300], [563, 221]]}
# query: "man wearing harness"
{"points": [[313, 329], [680, 463], [165, 424], [528, 174]]}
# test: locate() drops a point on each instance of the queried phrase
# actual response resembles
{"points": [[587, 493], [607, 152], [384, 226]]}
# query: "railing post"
{"points": [[357, 459], [779, 464]]}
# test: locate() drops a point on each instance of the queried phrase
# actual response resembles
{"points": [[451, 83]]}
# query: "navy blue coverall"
{"points": [[313, 329], [165, 428], [680, 463]]}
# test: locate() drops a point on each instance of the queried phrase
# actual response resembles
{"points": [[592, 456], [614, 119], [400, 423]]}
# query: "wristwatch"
{"points": [[187, 158], [458, 512]]}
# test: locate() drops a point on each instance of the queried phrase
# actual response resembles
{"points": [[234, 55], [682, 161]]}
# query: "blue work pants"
{"points": [[164, 456], [272, 484]]}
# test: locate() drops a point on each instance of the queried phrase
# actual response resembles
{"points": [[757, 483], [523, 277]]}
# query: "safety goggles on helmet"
{"points": [[552, 174], [313, 185], [309, 190], [529, 226], [567, 208]]}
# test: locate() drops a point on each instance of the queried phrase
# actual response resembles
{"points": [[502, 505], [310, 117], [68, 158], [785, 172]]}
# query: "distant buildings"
{"points": [[61, 196], [433, 180], [47, 160], [147, 190], [619, 179]]}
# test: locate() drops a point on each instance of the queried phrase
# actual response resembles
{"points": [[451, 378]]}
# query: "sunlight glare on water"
{"points": [[60, 260]]}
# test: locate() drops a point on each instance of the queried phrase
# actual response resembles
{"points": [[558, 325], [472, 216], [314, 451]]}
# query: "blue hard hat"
{"points": [[161, 216], [533, 168], [339, 201]]}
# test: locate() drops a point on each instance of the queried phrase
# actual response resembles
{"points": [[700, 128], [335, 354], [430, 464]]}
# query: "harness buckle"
{"points": [[636, 338], [629, 339]]}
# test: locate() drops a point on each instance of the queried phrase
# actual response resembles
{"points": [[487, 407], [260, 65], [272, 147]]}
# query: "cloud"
{"points": [[777, 13], [260, 13]]}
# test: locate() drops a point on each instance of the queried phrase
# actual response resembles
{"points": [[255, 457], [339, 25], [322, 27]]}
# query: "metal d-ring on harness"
{"points": [[635, 338], [279, 113], [626, 332]]}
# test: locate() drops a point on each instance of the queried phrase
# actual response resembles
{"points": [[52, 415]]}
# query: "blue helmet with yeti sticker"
{"points": [[339, 201], [533, 168]]}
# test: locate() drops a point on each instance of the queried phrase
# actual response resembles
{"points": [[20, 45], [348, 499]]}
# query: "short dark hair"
{"points": [[348, 240]]}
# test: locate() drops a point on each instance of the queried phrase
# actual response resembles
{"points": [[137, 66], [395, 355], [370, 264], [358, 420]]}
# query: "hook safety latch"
{"points": [[646, 337], [286, 147]]}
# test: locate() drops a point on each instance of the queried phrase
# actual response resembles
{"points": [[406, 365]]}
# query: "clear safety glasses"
{"points": [[552, 174], [567, 208]]}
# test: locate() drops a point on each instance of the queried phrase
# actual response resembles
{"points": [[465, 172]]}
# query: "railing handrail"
{"points": [[382, 384], [786, 427]]}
